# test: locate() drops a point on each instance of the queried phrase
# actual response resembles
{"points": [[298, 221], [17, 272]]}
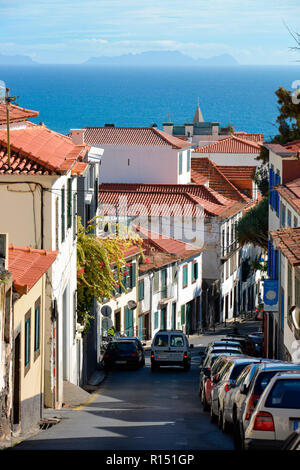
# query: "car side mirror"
{"points": [[244, 389]]}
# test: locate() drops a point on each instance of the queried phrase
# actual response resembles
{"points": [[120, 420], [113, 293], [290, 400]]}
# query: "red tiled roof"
{"points": [[28, 265], [38, 144], [79, 168], [158, 199], [293, 146], [252, 137], [149, 136], [288, 242], [19, 164], [217, 180], [291, 193], [166, 244], [16, 113], [237, 172], [231, 144]]}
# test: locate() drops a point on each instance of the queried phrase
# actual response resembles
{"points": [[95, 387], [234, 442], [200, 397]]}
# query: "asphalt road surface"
{"points": [[138, 410]]}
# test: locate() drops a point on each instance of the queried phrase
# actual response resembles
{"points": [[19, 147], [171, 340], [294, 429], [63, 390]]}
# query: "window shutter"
{"points": [[69, 203], [183, 314], [133, 275], [141, 290], [63, 226], [155, 320], [180, 163], [188, 160]]}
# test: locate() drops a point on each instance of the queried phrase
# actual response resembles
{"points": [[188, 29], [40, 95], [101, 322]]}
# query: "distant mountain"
{"points": [[161, 58], [16, 60]]}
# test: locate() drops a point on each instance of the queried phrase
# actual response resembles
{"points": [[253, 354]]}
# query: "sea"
{"points": [[74, 96]]}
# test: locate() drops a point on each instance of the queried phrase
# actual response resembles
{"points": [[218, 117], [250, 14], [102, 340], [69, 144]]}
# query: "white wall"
{"points": [[229, 159]]}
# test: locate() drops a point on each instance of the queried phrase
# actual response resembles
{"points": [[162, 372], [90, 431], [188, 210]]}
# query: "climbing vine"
{"points": [[100, 267]]}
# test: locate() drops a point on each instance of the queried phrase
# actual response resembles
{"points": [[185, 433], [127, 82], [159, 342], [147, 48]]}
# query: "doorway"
{"points": [[17, 382]]}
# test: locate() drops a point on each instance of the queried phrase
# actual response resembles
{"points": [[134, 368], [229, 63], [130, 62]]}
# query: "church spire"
{"points": [[198, 115]]}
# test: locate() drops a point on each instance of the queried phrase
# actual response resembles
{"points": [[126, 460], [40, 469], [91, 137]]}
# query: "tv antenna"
{"points": [[6, 99]]}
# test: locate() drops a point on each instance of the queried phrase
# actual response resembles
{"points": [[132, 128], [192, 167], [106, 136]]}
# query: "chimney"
{"points": [[4, 251], [168, 127], [77, 136]]}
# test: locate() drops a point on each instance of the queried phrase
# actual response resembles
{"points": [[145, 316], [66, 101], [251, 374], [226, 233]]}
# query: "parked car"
{"points": [[251, 390], [123, 352], [292, 442], [256, 342], [223, 385], [169, 348], [207, 383], [221, 343], [277, 413], [139, 343], [246, 344]]}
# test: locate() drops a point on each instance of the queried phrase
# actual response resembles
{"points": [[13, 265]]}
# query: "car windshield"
{"points": [[237, 369], [176, 341], [122, 346], [161, 340], [285, 394]]}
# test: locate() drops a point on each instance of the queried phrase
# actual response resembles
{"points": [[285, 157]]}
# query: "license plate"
{"points": [[121, 362], [296, 425], [162, 356]]}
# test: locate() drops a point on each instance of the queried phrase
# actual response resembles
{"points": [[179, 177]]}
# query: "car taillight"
{"points": [[106, 356], [134, 354], [251, 405], [227, 387], [152, 354], [185, 355], [263, 422]]}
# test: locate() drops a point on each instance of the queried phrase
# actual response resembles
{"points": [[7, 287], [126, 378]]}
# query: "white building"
{"points": [[139, 155], [38, 193]]}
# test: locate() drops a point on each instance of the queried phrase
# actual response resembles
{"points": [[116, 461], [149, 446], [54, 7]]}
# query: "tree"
{"points": [[289, 117], [96, 258], [261, 179], [253, 226]]}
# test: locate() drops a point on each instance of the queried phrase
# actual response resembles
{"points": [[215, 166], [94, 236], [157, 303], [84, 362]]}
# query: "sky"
{"points": [[72, 31]]}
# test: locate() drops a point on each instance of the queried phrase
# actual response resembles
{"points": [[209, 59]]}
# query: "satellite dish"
{"points": [[107, 323], [106, 311], [296, 317], [131, 305], [2, 91]]}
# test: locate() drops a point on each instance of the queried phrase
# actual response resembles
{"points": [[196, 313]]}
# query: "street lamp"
{"points": [[5, 98]]}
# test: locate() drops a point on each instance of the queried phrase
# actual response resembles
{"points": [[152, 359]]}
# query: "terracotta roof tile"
{"points": [[252, 137], [291, 193], [231, 144], [28, 265], [288, 242], [40, 145], [237, 172], [16, 113], [145, 136], [79, 168], [217, 179]]}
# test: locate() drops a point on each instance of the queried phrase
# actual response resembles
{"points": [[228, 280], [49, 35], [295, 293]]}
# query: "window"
{"points": [[194, 271], [161, 340], [63, 227], [174, 273], [141, 289], [284, 394], [180, 163], [27, 341], [176, 341], [295, 222], [282, 215], [37, 317], [156, 282], [188, 165], [91, 176], [69, 204], [289, 218], [185, 276]]}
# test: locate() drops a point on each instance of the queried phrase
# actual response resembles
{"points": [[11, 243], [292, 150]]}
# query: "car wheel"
{"points": [[225, 425], [238, 438], [154, 367], [213, 417]]}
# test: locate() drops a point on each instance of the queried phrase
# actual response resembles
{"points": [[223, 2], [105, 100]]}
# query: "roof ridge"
{"points": [[28, 249], [244, 197]]}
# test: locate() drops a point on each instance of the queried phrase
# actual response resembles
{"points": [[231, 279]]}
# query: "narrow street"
{"points": [[138, 410]]}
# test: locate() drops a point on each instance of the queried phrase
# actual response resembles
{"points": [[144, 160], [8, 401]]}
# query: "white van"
{"points": [[170, 348]]}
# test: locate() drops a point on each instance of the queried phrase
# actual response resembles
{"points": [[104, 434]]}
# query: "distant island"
{"points": [[16, 60], [161, 58]]}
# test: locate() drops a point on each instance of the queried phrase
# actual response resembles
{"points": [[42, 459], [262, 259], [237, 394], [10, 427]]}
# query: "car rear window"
{"points": [[176, 341], [285, 393], [262, 381], [122, 346], [237, 369], [161, 340]]}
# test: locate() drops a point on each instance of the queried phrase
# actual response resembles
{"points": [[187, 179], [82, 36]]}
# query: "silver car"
{"points": [[249, 393], [277, 413], [232, 370]]}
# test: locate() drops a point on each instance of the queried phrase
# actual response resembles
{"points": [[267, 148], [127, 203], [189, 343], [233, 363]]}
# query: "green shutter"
{"points": [[133, 275], [155, 320], [37, 329], [69, 203], [63, 226], [140, 331], [27, 341], [180, 163], [141, 290], [188, 160], [185, 276], [183, 314], [196, 271]]}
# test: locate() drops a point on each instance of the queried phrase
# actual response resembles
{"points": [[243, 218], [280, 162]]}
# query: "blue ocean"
{"points": [[70, 96]]}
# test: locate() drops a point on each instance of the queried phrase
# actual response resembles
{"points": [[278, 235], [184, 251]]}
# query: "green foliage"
{"points": [[289, 117], [261, 178], [97, 259], [253, 226], [259, 266]]}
